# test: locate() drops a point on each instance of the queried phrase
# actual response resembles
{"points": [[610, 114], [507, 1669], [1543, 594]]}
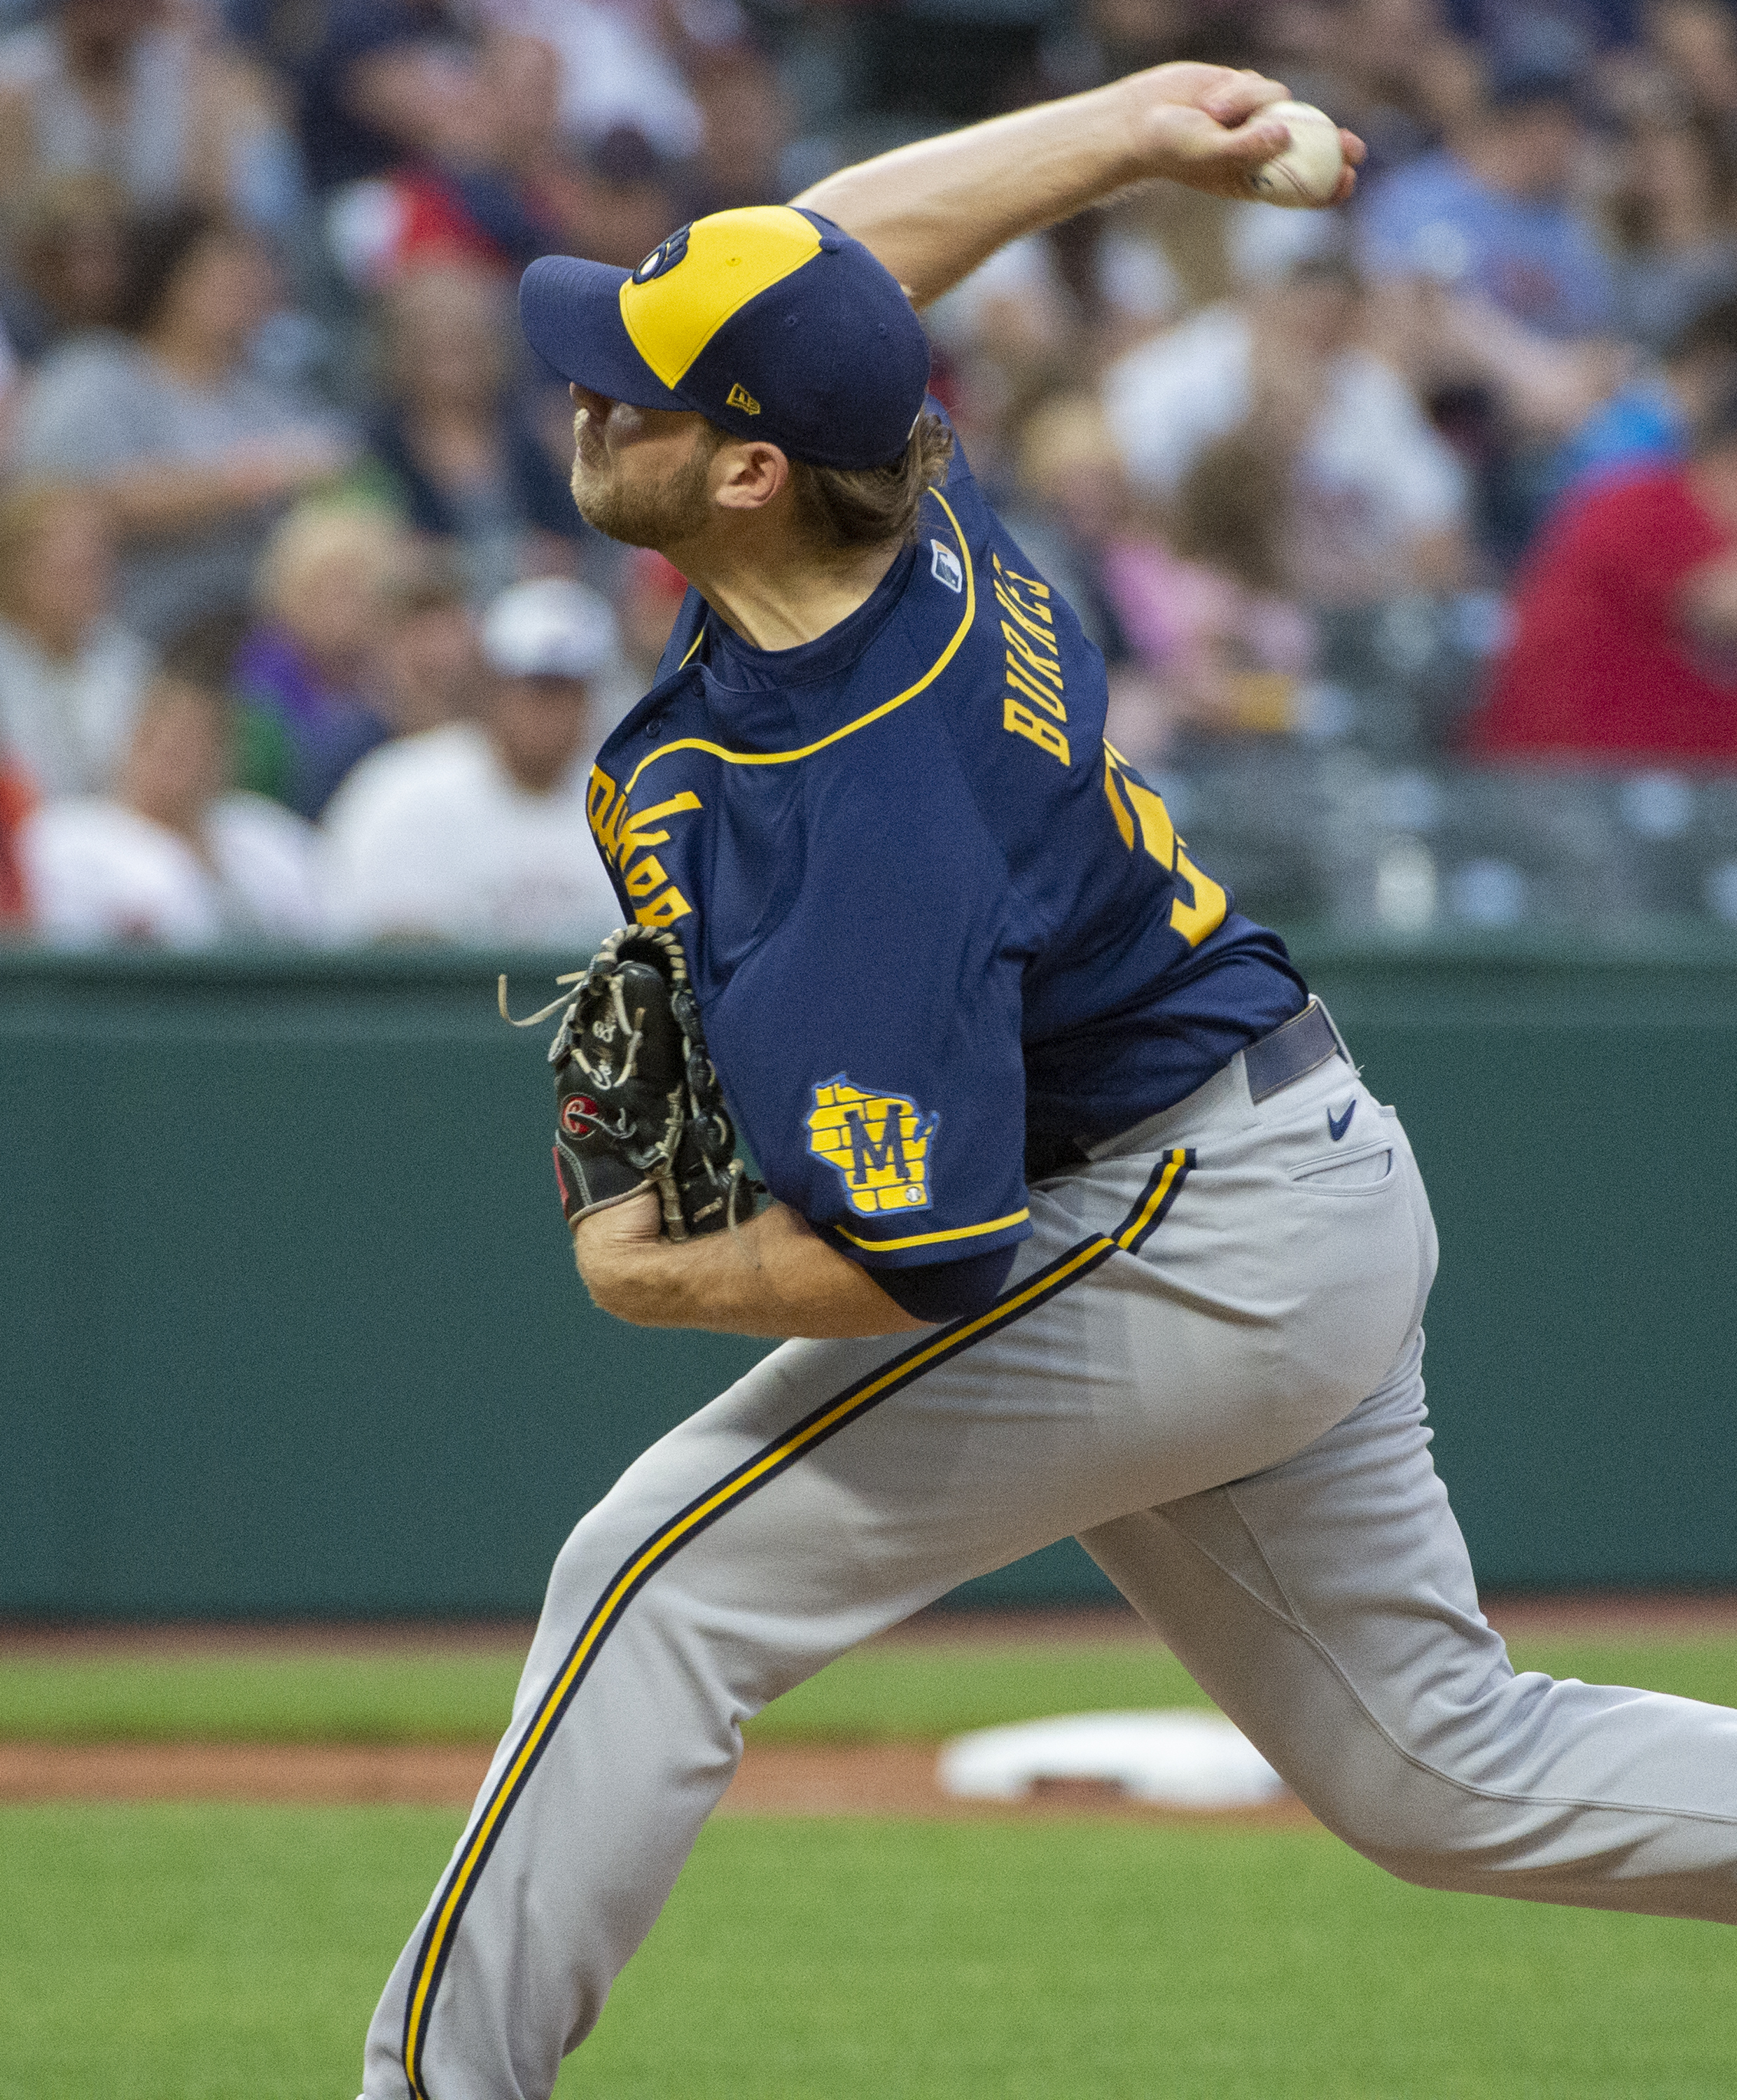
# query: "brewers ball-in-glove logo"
{"points": [[878, 1145], [665, 256]]}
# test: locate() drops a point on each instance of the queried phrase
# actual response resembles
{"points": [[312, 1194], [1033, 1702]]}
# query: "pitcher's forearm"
{"points": [[932, 211], [773, 1277]]}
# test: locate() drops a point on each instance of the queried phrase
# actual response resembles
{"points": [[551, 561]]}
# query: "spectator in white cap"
{"points": [[477, 831]]}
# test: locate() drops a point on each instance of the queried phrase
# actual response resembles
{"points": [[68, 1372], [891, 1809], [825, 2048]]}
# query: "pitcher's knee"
{"points": [[1434, 1866], [1428, 1828], [1436, 1809]]}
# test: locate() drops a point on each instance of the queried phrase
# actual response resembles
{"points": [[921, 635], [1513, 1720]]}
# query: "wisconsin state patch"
{"points": [[878, 1145]]}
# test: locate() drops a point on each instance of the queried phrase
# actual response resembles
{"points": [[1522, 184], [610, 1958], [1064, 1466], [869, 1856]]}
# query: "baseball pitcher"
{"points": [[1077, 1218]]}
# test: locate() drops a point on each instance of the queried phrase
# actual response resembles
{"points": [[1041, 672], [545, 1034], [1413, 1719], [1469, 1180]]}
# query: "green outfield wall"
{"points": [[291, 1326]]}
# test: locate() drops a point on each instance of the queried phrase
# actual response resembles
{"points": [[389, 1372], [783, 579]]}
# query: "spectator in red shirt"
{"points": [[16, 802], [1625, 645]]}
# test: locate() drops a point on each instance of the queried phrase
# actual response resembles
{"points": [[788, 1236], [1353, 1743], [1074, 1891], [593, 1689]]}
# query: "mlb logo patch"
{"points": [[878, 1145], [945, 567]]}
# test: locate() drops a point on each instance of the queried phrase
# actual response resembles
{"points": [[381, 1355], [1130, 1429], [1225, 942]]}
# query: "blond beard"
{"points": [[659, 516]]}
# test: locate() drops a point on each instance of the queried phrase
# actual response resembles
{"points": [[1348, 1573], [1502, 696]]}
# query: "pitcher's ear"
{"points": [[749, 473]]}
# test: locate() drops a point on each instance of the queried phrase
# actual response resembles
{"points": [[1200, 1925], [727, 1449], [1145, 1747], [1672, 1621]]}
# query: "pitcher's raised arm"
{"points": [[931, 212]]}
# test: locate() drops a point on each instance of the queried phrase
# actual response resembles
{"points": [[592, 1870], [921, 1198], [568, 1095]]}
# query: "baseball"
{"points": [[1307, 171]]}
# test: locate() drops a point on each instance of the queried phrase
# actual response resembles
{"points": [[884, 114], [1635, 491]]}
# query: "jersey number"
{"points": [[1200, 905]]}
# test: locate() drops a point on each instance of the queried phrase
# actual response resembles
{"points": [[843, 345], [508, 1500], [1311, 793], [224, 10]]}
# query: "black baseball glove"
{"points": [[638, 1105]]}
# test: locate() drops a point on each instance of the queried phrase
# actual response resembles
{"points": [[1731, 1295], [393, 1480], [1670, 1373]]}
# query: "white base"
{"points": [[1180, 1759]]}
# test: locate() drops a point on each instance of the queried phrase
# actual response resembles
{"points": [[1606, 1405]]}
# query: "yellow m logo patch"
{"points": [[878, 1145]]}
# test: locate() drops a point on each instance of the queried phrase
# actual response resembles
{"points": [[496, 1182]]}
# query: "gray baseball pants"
{"points": [[1207, 1366]]}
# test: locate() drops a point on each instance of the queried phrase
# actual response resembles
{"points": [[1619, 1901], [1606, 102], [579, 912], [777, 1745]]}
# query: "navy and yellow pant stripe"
{"points": [[1079, 1261]]}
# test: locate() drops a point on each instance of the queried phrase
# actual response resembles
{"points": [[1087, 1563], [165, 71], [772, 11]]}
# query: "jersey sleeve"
{"points": [[949, 1289], [870, 1046]]}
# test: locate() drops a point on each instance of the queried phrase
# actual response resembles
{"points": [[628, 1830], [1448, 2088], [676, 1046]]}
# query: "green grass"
{"points": [[888, 1691], [201, 1953], [419, 1697]]}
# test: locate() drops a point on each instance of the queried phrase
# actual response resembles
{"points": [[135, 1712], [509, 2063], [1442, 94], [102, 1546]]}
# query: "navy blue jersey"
{"points": [[930, 914]]}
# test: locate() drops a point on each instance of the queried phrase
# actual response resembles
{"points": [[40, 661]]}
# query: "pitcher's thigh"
{"points": [[834, 1490]]}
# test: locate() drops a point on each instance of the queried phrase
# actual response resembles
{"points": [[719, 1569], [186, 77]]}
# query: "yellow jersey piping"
{"points": [[875, 714], [932, 1239]]}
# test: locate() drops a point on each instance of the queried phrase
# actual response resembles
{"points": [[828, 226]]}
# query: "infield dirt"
{"points": [[775, 1779]]}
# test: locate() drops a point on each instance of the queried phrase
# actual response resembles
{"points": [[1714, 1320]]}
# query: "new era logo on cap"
{"points": [[739, 397]]}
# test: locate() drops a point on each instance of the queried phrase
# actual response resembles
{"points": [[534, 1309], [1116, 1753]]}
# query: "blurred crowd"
{"points": [[1408, 532]]}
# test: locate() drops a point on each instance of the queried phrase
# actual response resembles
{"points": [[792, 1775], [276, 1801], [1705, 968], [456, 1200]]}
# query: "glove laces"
{"points": [[542, 1012]]}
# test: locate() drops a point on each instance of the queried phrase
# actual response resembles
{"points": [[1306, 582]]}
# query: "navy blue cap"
{"points": [[770, 322]]}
